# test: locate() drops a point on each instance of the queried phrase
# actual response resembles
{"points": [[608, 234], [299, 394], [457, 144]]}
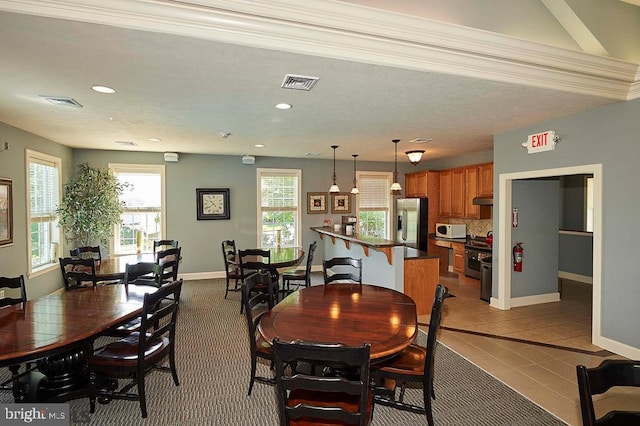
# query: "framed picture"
{"points": [[341, 202], [212, 203], [317, 202], [6, 212]]}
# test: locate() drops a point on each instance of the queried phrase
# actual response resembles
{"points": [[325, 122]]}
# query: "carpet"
{"points": [[213, 367]]}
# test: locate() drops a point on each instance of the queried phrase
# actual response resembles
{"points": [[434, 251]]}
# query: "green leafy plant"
{"points": [[90, 206]]}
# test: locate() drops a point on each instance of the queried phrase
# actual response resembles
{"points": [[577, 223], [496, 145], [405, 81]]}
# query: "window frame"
{"points": [[115, 168], [298, 212], [389, 178], [56, 233]]}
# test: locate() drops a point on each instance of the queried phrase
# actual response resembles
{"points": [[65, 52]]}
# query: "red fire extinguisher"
{"points": [[518, 254]]}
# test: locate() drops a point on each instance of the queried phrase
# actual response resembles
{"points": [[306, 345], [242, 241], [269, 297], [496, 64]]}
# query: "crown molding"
{"points": [[354, 33]]}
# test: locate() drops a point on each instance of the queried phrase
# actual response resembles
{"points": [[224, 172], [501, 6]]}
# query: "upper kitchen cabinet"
{"points": [[457, 192], [485, 182], [421, 184], [444, 209], [471, 174]]}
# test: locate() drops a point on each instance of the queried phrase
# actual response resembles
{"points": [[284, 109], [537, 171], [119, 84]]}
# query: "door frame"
{"points": [[505, 181]]}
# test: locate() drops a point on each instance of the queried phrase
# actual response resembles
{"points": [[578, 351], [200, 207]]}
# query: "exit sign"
{"points": [[540, 142]]}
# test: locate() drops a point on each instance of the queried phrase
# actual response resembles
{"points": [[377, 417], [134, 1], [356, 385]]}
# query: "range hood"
{"points": [[483, 201]]}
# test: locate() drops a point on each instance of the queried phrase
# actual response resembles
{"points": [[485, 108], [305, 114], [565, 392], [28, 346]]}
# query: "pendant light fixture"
{"points": [[334, 187], [415, 156], [395, 186], [355, 189]]}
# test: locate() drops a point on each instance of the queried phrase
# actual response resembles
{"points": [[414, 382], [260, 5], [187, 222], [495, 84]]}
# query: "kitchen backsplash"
{"points": [[478, 227]]}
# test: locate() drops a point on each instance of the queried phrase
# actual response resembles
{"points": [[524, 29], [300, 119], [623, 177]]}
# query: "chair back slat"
{"points": [[93, 250], [159, 314], [342, 269], [76, 271], [13, 285], [159, 244], [169, 261], [142, 273]]}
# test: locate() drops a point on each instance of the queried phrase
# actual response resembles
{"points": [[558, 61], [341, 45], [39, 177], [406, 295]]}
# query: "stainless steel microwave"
{"points": [[450, 230]]}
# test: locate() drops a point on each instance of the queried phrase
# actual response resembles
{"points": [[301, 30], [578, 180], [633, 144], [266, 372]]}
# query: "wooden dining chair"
{"points": [[77, 272], [342, 269], [169, 261], [597, 381], [164, 244], [15, 293], [256, 304], [90, 251], [137, 354], [306, 398], [414, 364], [300, 276], [252, 260], [232, 266]]}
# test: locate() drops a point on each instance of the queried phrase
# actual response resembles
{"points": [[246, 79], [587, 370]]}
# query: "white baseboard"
{"points": [[617, 347], [575, 277], [535, 300], [221, 274]]}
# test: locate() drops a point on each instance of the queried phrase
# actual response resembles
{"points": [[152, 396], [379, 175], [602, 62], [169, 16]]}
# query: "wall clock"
{"points": [[212, 203]]}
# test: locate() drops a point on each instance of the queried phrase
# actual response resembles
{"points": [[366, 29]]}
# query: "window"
{"points": [[374, 204], [279, 207], [43, 195], [143, 219]]}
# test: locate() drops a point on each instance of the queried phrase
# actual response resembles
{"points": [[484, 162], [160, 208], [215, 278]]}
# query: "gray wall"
{"points": [[200, 240], [606, 135], [13, 259], [576, 254], [576, 251], [573, 202]]}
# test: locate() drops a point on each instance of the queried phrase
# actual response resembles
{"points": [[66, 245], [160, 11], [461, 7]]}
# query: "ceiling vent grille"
{"points": [[61, 101], [299, 82]]}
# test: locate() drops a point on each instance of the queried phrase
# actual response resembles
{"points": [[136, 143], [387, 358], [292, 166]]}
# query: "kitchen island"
{"points": [[387, 264]]}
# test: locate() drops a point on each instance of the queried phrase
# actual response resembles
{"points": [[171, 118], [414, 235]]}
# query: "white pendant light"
{"points": [[415, 156], [355, 189], [395, 186], [334, 187]]}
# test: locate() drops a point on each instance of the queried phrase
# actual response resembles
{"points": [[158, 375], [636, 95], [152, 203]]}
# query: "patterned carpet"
{"points": [[213, 367]]}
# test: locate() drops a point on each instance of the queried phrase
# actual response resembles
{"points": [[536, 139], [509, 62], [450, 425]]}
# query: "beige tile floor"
{"points": [[545, 375]]}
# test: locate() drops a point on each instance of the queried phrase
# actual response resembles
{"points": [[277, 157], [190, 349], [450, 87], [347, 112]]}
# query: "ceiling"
{"points": [[187, 72]]}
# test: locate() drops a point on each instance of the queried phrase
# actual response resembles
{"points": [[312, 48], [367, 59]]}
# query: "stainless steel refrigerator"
{"points": [[412, 224]]}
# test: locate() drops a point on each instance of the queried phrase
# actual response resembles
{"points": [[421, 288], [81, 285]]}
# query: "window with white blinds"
{"points": [[279, 207], [143, 218], [374, 204], [43, 195]]}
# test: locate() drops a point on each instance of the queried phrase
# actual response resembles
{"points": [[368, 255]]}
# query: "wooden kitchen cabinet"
{"points": [[471, 176], [419, 184], [485, 180], [458, 257], [457, 192], [444, 209]]}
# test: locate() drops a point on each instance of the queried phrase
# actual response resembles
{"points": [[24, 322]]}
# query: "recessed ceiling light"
{"points": [[103, 89], [154, 139], [259, 145], [283, 106]]}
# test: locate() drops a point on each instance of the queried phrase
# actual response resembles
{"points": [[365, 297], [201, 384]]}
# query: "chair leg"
{"points": [[92, 392], [253, 375], [172, 364], [226, 291], [142, 397]]}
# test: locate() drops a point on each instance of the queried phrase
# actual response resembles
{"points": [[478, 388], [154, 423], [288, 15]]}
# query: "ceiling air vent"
{"points": [[126, 143], [61, 101], [299, 82]]}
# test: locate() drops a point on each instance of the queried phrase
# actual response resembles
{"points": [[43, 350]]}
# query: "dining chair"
{"points": [[252, 260], [94, 251], [256, 304], [301, 276], [232, 266], [597, 381], [306, 398], [15, 293], [135, 355], [342, 269], [414, 364], [169, 261], [76, 272], [164, 244]]}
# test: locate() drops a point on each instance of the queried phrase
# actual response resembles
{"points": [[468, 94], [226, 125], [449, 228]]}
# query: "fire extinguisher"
{"points": [[518, 254]]}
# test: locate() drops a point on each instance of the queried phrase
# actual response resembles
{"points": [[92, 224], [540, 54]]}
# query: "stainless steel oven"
{"points": [[473, 255]]}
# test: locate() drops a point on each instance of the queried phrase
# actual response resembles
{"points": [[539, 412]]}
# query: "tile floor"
{"points": [[545, 375]]}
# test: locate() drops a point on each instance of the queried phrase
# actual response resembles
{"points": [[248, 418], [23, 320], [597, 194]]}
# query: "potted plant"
{"points": [[90, 206]]}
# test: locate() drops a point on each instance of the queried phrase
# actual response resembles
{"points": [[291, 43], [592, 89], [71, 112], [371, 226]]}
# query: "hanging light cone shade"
{"points": [[334, 187], [395, 186], [415, 156], [355, 189]]}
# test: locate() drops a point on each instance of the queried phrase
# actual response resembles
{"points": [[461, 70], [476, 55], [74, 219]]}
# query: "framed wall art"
{"points": [[317, 202], [341, 202], [6, 212], [212, 203]]}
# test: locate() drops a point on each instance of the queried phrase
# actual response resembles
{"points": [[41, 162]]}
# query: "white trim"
{"points": [[579, 233], [505, 181], [350, 32], [535, 300], [617, 347], [575, 277]]}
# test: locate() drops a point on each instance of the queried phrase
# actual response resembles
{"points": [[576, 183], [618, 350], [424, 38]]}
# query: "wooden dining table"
{"points": [[350, 314], [58, 329], [113, 268]]}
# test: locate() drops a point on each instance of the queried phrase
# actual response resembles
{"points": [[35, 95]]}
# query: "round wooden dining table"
{"points": [[350, 314], [113, 268]]}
